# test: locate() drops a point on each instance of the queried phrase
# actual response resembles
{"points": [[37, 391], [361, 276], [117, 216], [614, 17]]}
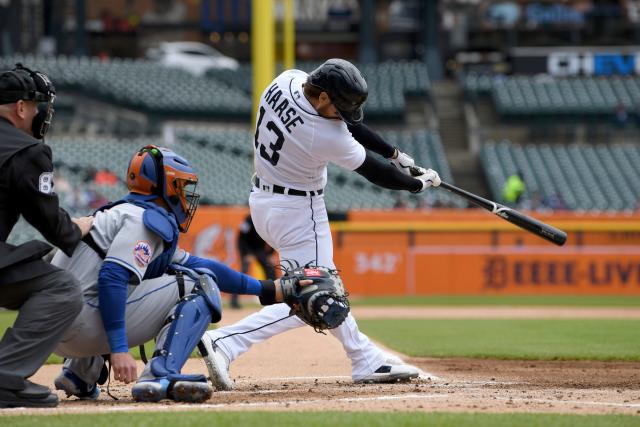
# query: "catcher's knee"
{"points": [[208, 291]]}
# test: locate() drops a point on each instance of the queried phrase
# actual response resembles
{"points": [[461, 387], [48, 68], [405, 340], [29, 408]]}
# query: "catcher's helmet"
{"points": [[344, 84], [21, 83], [161, 172]]}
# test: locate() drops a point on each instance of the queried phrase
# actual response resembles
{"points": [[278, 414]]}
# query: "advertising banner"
{"points": [[456, 252]]}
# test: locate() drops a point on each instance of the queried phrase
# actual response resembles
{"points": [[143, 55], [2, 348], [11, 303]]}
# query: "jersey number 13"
{"points": [[274, 146]]}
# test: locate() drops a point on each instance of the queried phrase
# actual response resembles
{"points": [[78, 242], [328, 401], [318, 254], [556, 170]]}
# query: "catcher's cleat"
{"points": [[150, 391], [390, 374], [72, 385], [217, 364], [190, 392], [180, 391]]}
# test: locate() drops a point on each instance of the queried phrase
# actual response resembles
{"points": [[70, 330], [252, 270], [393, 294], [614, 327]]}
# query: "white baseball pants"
{"points": [[298, 228]]}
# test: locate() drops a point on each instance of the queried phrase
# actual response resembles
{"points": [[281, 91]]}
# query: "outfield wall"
{"points": [[458, 252]]}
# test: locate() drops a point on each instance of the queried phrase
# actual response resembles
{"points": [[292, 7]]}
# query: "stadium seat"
{"points": [[520, 96], [587, 178], [146, 86]]}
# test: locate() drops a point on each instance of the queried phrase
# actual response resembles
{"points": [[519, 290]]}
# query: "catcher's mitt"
{"points": [[322, 304]]}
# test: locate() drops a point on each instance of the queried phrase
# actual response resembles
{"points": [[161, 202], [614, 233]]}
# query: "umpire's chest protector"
{"points": [[12, 141], [26, 258]]}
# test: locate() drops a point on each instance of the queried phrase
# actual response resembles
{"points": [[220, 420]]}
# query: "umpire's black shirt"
{"points": [[26, 188]]}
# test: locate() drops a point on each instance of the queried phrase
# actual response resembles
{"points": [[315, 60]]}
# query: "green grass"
{"points": [[517, 300], [561, 339], [313, 419], [595, 339]]}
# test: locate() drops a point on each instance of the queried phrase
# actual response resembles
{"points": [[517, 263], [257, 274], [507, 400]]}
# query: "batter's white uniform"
{"points": [[293, 146]]}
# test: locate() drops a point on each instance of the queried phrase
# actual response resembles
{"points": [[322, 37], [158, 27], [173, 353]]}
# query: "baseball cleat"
{"points": [[217, 364], [390, 374], [150, 391], [72, 385], [190, 392], [180, 391], [392, 359], [32, 396]]}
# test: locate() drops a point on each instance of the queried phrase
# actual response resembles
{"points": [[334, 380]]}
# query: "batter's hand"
{"points": [[84, 223], [402, 161], [124, 367], [429, 178]]}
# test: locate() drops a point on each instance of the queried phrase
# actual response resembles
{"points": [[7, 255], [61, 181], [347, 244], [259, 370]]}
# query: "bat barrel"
{"points": [[546, 231]]}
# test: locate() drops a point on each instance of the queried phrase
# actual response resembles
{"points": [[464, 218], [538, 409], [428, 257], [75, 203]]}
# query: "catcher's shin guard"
{"points": [[189, 321]]}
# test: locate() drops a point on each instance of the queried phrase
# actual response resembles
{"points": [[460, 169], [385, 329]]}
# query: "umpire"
{"points": [[251, 244], [48, 298]]}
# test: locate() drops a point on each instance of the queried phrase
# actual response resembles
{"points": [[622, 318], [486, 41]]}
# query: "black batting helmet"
{"points": [[344, 84]]}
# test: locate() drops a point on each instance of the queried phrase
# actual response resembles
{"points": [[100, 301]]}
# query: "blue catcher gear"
{"points": [[190, 319], [158, 220]]}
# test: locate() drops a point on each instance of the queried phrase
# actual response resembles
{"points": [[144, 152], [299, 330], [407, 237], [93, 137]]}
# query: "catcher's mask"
{"points": [[21, 83], [161, 172]]}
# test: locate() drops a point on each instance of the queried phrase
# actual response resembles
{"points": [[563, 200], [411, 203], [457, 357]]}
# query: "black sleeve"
{"points": [[268, 292], [387, 176], [38, 204], [371, 140]]}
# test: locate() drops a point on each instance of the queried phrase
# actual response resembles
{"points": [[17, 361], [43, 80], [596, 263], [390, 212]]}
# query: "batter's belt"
{"points": [[278, 189]]}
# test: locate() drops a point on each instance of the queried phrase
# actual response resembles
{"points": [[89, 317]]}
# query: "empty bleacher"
{"points": [[146, 86], [139, 84], [524, 96], [585, 177], [224, 160]]}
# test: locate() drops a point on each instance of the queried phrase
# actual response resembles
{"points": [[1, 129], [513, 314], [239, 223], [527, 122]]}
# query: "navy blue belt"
{"points": [[278, 189]]}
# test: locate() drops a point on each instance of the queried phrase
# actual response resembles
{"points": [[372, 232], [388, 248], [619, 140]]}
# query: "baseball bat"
{"points": [[546, 231]]}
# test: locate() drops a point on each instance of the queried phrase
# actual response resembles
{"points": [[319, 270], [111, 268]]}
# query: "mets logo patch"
{"points": [[142, 253]]}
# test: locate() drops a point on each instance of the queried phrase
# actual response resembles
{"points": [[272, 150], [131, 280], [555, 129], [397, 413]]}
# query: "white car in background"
{"points": [[196, 58]]}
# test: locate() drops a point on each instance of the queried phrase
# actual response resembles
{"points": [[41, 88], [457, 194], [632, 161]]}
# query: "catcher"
{"points": [[129, 297]]}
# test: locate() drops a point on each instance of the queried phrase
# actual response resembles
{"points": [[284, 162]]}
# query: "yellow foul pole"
{"points": [[262, 48], [289, 36]]}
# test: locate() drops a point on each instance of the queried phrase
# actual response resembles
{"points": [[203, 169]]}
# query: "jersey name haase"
{"points": [[288, 115]]}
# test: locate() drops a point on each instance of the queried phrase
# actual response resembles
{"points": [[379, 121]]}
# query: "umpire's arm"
{"points": [[32, 186]]}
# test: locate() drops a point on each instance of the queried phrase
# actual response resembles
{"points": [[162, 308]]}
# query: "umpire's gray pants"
{"points": [[48, 305]]}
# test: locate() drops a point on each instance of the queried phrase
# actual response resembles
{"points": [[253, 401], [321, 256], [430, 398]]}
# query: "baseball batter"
{"points": [[303, 123], [128, 297]]}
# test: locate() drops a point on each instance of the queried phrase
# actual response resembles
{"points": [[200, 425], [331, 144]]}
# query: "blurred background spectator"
{"points": [[253, 248]]}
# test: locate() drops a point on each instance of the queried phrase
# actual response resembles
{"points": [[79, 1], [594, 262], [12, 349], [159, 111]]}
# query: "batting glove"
{"points": [[429, 178], [402, 161]]}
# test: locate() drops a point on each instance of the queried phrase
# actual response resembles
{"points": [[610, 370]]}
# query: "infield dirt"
{"points": [[302, 370]]}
